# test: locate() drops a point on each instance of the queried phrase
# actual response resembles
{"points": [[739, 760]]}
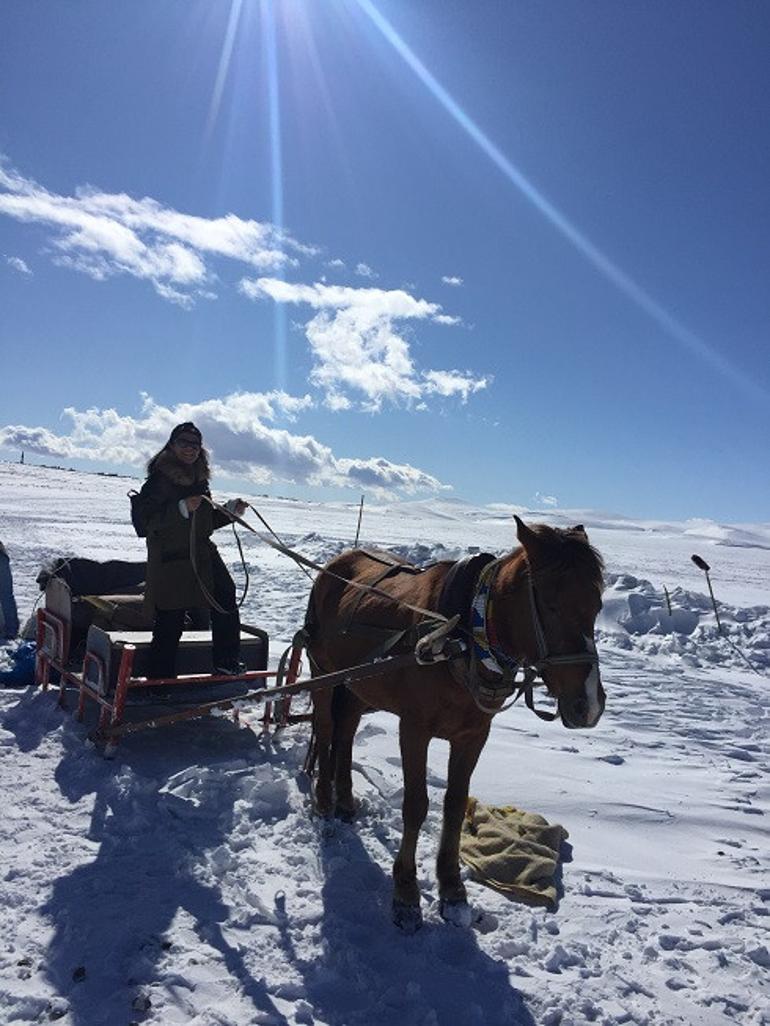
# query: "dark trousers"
{"points": [[225, 628]]}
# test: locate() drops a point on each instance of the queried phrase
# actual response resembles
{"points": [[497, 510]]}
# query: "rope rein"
{"points": [[194, 561], [304, 562]]}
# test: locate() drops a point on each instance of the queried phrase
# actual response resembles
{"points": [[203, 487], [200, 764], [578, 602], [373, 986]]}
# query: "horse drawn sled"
{"points": [[444, 647]]}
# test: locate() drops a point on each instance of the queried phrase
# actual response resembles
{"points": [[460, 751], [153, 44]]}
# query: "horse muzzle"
{"points": [[583, 709]]}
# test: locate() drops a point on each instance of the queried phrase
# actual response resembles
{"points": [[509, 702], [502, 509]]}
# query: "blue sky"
{"points": [[502, 251]]}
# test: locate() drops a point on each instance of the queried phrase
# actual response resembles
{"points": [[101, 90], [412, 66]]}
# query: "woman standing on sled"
{"points": [[172, 510]]}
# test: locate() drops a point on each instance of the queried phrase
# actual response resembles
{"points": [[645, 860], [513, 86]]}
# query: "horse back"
{"points": [[346, 623]]}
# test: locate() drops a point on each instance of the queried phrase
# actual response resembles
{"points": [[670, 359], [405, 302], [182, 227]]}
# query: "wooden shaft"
{"points": [[354, 673]]}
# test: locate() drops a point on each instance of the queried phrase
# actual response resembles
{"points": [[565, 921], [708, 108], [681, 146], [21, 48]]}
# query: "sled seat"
{"points": [[115, 677], [105, 651]]}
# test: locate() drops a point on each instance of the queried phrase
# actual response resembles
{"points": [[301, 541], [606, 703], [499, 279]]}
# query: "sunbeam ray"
{"points": [[276, 173], [224, 65], [674, 328]]}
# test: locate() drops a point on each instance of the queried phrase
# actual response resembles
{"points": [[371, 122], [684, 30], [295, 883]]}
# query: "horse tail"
{"points": [[310, 628]]}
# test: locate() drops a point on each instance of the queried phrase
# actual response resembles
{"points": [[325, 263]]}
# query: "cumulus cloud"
{"points": [[365, 271], [357, 344], [452, 279], [18, 264], [382, 476], [241, 430], [358, 336], [105, 234]]}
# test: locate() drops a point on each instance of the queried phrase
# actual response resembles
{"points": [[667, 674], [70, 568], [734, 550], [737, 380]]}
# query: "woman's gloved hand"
{"points": [[236, 506]]}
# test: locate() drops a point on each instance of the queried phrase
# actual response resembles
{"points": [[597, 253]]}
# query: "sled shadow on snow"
{"points": [[111, 915], [374, 975], [31, 718]]}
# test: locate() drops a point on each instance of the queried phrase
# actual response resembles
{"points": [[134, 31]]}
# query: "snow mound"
{"points": [[635, 615]]}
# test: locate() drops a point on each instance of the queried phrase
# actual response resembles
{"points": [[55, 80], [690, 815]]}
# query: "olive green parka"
{"points": [[171, 578]]}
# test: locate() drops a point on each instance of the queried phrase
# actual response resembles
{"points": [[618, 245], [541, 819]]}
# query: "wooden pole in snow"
{"points": [[358, 529]]}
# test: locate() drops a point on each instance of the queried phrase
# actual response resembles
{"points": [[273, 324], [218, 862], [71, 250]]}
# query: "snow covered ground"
{"points": [[185, 881]]}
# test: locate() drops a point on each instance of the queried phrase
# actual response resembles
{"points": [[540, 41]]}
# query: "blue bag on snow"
{"points": [[17, 664]]}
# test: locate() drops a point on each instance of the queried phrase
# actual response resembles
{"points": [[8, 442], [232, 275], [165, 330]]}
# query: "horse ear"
{"points": [[579, 529], [529, 540]]}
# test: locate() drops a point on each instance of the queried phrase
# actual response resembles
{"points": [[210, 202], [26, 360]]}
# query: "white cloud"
{"points": [[336, 264], [382, 476], [105, 234], [452, 279], [546, 500], [18, 264], [389, 303], [241, 432], [361, 351], [356, 345], [365, 271], [448, 383]]}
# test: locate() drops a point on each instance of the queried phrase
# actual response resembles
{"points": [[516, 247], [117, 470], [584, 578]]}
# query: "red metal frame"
{"points": [[53, 648], [53, 644]]}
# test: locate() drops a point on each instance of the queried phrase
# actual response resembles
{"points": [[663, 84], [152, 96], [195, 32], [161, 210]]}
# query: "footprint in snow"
{"points": [[613, 760]]}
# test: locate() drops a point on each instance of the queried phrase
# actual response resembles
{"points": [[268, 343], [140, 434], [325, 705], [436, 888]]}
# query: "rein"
{"points": [[194, 561], [303, 561]]}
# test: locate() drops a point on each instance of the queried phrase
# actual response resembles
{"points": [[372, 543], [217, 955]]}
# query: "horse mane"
{"points": [[568, 549]]}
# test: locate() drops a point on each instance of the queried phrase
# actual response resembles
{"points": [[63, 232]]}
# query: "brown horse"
{"points": [[540, 605]]}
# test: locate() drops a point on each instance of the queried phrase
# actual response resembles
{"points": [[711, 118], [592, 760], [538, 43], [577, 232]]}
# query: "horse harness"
{"points": [[476, 658], [489, 672]]}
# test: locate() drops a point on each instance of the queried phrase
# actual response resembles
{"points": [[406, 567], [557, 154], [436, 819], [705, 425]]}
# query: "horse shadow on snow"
{"points": [[372, 974]]}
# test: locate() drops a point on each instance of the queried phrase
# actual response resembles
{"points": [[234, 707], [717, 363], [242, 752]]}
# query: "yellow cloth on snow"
{"points": [[515, 852]]}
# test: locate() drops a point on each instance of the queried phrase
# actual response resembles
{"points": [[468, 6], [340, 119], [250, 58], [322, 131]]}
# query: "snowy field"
{"points": [[185, 881]]}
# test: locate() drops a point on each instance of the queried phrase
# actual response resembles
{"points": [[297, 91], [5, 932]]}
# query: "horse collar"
{"points": [[486, 650]]}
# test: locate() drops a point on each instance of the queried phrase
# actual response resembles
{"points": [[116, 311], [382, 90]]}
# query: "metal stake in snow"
{"points": [[703, 565]]}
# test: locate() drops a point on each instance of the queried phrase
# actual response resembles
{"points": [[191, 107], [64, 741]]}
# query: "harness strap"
{"points": [[392, 568]]}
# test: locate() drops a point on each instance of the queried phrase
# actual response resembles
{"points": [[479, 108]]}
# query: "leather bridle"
{"points": [[507, 667]]}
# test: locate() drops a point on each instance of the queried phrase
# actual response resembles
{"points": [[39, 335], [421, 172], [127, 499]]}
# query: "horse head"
{"points": [[555, 613]]}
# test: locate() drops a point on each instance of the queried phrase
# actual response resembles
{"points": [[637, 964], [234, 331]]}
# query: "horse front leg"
{"points": [[463, 756], [406, 895]]}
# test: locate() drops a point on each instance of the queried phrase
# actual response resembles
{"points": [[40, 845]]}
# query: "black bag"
{"points": [[137, 513]]}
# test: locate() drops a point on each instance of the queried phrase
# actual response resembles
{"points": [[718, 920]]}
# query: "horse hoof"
{"points": [[408, 918], [346, 813], [458, 913]]}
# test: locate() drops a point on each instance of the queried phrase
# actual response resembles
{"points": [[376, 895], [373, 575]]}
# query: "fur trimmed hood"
{"points": [[180, 473]]}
